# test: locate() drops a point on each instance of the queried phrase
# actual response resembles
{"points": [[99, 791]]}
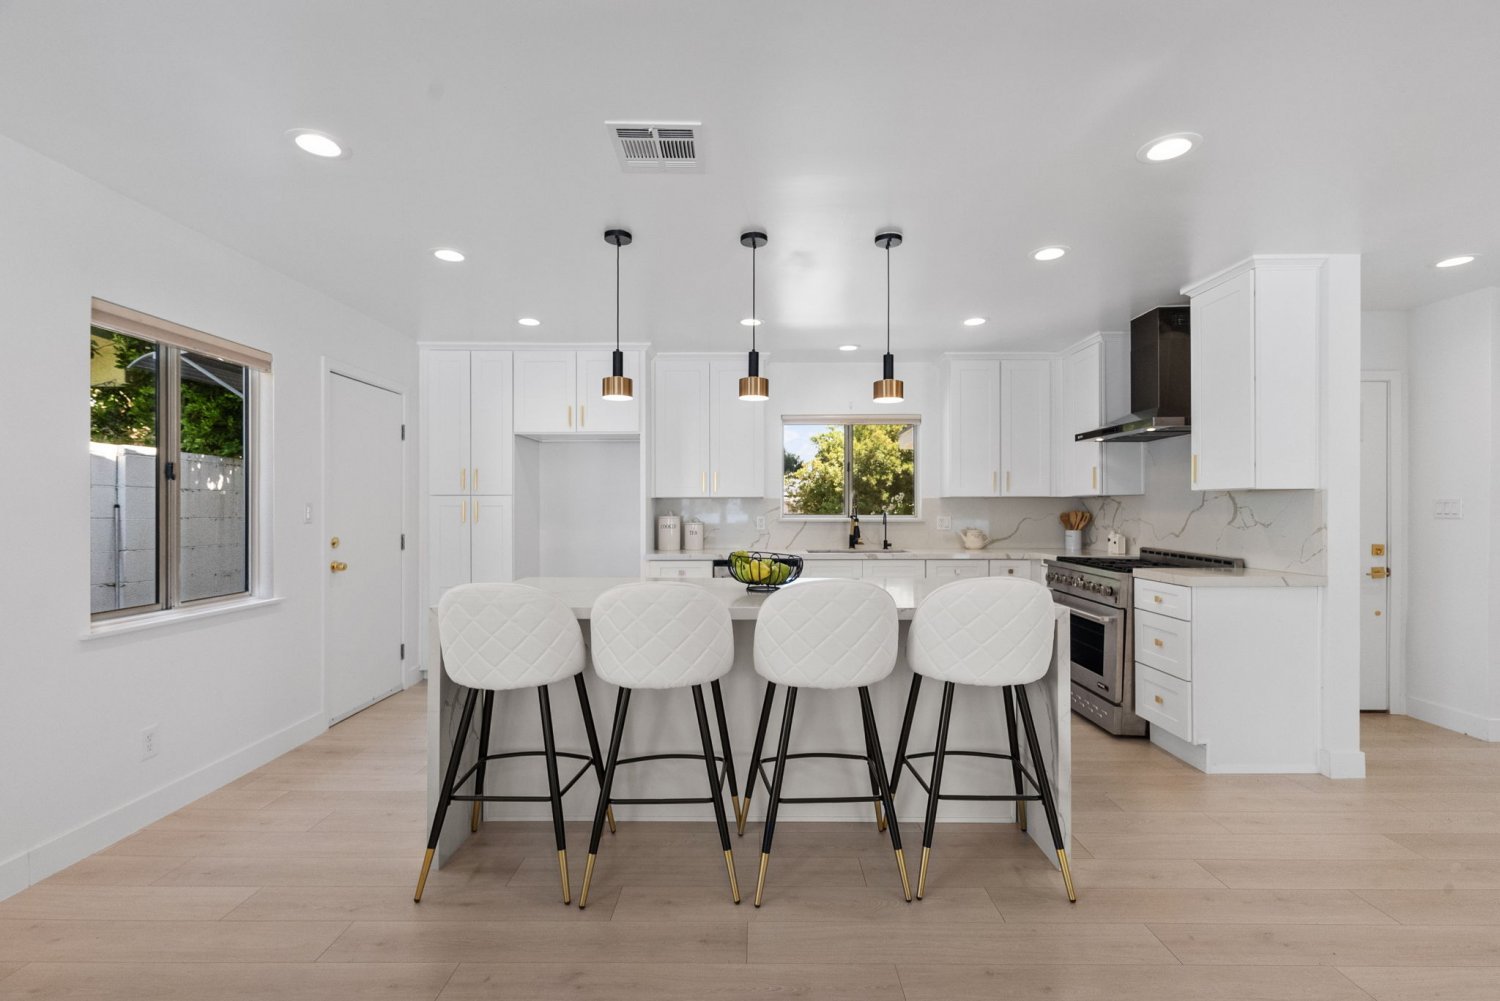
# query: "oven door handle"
{"points": [[1103, 620]]}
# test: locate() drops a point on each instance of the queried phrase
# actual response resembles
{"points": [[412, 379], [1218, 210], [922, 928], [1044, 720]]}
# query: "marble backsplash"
{"points": [[1269, 529], [730, 523]]}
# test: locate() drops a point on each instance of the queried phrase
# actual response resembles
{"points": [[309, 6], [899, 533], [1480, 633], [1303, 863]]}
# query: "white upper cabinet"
{"points": [[597, 415], [1091, 384], [466, 406], [557, 393], [1025, 428], [706, 441], [737, 434], [971, 428], [1256, 335]]}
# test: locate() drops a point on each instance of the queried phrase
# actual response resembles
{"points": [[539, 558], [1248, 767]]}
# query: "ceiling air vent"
{"points": [[657, 146]]}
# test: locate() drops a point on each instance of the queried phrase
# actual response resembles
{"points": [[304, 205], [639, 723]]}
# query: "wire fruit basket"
{"points": [[764, 571]]}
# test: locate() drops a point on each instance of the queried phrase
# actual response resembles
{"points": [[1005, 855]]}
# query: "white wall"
{"points": [[226, 693], [588, 508], [1383, 337], [1451, 674]]}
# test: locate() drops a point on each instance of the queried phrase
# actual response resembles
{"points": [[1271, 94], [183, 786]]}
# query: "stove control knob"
{"points": [[1109, 592]]}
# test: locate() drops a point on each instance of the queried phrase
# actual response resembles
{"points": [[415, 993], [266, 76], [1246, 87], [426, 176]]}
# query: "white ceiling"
{"points": [[982, 129]]}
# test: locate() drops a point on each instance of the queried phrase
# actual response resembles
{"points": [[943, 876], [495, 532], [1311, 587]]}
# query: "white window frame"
{"points": [[847, 421], [172, 339]]}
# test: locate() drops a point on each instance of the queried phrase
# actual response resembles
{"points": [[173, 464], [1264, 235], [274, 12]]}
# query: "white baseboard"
{"points": [[101, 832], [1341, 764], [1473, 724]]}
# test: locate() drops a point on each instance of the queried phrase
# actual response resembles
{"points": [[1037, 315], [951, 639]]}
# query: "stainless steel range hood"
{"points": [[1160, 380]]}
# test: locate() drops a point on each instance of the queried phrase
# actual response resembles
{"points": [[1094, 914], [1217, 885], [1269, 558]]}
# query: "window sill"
{"points": [[156, 620]]}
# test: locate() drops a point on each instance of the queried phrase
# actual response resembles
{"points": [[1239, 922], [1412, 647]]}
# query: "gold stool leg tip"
{"points": [[734, 880], [922, 873], [1021, 813], [609, 815], [588, 877], [562, 868], [905, 881], [1062, 859], [475, 817], [422, 879], [760, 880]]}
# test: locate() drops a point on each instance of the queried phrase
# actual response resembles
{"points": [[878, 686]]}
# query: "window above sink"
{"points": [[828, 461]]}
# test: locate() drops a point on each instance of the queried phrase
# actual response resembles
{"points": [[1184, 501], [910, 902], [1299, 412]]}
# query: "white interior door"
{"points": [[1374, 529], [362, 635]]}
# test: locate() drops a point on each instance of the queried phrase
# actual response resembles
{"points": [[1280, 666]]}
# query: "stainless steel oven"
{"points": [[1101, 645]]}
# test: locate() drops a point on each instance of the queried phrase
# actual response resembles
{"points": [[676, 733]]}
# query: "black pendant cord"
{"points": [[753, 250], [617, 297], [887, 297]]}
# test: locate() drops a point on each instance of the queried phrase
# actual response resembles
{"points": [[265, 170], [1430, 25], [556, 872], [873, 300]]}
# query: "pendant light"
{"points": [[888, 389], [616, 385], [754, 388]]}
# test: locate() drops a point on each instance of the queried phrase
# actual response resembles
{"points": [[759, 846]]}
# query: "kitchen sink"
{"points": [[857, 552]]}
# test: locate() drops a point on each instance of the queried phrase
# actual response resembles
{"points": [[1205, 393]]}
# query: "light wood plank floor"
{"points": [[295, 883]]}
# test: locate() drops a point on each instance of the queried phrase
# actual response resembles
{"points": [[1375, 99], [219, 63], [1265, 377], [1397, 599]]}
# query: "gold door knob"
{"points": [[338, 566]]}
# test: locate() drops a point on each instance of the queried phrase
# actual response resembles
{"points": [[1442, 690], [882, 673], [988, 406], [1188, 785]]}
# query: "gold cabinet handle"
{"points": [[581, 420], [338, 566], [1007, 481], [570, 416], [994, 481], [1159, 643], [1093, 477], [1160, 701], [1195, 467], [703, 483], [463, 478], [1156, 598], [463, 513], [476, 510], [476, 479], [716, 481]]}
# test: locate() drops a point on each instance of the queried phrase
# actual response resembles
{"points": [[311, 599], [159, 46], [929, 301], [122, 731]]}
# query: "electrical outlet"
{"points": [[760, 523], [149, 742], [1447, 508], [945, 523]]}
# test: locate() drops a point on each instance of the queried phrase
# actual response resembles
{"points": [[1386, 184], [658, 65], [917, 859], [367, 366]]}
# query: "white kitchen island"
{"points": [[664, 722]]}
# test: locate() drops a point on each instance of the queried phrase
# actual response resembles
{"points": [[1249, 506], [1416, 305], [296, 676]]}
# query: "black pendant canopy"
{"points": [[616, 385], [754, 387]]}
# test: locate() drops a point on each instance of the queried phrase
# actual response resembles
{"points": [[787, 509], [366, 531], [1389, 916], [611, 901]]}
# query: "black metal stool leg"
{"points": [[622, 704], [487, 710], [939, 755], [1015, 755], [588, 726], [1045, 788], [760, 745], [715, 790], [765, 843], [734, 783], [445, 795], [874, 785], [872, 733], [554, 790], [901, 742]]}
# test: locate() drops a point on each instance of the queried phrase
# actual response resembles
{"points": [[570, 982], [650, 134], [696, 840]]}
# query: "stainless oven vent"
{"points": [[658, 147]]}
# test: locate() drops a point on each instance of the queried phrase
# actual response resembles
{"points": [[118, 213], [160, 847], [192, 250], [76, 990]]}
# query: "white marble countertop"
{"points": [[580, 593], [1206, 577], [865, 553]]}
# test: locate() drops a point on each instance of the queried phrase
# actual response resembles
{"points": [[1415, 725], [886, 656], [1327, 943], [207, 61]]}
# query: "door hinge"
{"points": [[403, 432], [403, 542], [403, 651]]}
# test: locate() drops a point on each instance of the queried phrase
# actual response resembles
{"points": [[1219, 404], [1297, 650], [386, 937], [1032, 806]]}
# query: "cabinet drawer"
{"points": [[848, 569], [957, 569], [894, 568], [1168, 599], [1164, 701], [681, 568], [1010, 568], [1164, 643]]}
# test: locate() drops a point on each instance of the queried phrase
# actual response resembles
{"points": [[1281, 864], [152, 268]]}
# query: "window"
{"points": [[832, 467], [171, 464]]}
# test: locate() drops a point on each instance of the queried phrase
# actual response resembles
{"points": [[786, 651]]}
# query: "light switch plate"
{"points": [[760, 523], [945, 523], [1447, 508]]}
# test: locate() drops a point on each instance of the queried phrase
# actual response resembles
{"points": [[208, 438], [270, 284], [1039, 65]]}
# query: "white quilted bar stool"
{"points": [[498, 638], [829, 634], [663, 635], [994, 632]]}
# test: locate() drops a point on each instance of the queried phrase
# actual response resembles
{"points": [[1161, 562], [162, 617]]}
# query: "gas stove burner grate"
{"points": [[1108, 563]]}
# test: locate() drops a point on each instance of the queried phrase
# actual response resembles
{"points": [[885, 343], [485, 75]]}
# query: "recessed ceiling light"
{"points": [[1453, 262], [1168, 147], [749, 321], [317, 143], [974, 321], [1046, 254], [448, 255], [848, 347], [529, 321]]}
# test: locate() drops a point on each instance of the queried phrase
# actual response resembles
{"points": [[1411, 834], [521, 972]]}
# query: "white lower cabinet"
{"points": [[847, 569], [893, 568], [1009, 568], [469, 540], [957, 569], [1228, 677], [682, 569]]}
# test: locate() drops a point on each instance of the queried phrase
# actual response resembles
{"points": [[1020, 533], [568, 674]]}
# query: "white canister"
{"points": [[692, 536], [668, 533], [1072, 542]]}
